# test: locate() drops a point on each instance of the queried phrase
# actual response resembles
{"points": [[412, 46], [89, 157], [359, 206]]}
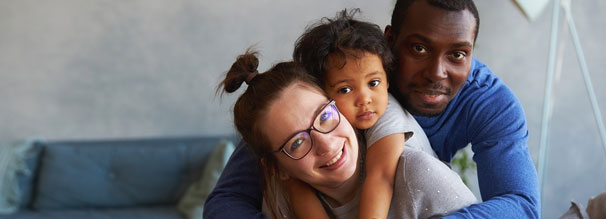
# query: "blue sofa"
{"points": [[124, 178]]}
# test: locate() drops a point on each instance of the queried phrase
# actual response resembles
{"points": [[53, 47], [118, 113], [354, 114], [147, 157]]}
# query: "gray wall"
{"points": [[106, 69], [517, 50]]}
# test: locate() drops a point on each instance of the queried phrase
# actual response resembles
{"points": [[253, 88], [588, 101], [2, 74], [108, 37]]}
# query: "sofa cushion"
{"points": [[119, 173], [155, 212]]}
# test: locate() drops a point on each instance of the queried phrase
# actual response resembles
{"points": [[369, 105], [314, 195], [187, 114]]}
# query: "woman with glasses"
{"points": [[298, 133]]}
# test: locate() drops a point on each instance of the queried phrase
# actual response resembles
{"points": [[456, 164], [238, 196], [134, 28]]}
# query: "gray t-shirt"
{"points": [[397, 120], [424, 187]]}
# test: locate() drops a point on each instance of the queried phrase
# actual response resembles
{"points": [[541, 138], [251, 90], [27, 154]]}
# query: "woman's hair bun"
{"points": [[245, 65]]}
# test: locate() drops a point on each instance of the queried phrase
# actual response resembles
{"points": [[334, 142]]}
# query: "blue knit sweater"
{"points": [[487, 114]]}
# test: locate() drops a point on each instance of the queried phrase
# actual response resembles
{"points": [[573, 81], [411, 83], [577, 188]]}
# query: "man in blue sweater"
{"points": [[454, 97]]}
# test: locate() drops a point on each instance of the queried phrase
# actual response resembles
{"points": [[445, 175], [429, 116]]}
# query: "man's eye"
{"points": [[344, 90], [419, 49], [458, 55], [374, 83]]}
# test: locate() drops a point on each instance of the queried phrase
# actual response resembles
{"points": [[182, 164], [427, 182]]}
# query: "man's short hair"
{"points": [[400, 11]]}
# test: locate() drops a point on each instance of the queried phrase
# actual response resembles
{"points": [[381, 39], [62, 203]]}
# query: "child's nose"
{"points": [[364, 97]]}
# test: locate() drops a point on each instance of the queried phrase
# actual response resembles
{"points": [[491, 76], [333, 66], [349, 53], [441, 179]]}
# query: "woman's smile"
{"points": [[338, 158]]}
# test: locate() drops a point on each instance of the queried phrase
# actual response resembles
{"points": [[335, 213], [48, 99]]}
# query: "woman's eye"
{"points": [[325, 115], [374, 83], [344, 90], [419, 49], [296, 144]]}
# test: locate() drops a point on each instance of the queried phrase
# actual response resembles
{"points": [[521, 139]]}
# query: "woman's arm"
{"points": [[381, 163]]}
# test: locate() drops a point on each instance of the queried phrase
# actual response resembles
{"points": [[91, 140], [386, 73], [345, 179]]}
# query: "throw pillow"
{"points": [[192, 203], [17, 164]]}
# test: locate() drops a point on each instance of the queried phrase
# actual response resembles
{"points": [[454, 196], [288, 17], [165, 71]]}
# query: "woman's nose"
{"points": [[323, 143]]}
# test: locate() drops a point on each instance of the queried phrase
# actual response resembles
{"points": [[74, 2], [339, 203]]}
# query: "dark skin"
{"points": [[434, 51]]}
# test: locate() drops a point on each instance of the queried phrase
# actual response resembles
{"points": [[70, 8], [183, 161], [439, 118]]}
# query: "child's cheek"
{"points": [[342, 106]]}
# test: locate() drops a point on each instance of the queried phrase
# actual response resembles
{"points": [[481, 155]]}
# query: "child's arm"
{"points": [[303, 200], [381, 164]]}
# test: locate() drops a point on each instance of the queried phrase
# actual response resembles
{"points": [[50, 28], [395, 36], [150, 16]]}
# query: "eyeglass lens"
{"points": [[300, 144]]}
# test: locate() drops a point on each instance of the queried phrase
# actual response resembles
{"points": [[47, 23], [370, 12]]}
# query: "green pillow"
{"points": [[192, 203]]}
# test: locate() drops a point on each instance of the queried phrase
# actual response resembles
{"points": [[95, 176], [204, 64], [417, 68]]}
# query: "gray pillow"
{"points": [[18, 163], [191, 204]]}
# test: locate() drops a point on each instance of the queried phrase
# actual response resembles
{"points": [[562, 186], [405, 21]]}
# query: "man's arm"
{"points": [[237, 193], [508, 183], [506, 174]]}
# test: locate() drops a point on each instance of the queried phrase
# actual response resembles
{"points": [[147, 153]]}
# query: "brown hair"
{"points": [[251, 107], [340, 36]]}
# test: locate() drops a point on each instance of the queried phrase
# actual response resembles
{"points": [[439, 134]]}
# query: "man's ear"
{"points": [[389, 36]]}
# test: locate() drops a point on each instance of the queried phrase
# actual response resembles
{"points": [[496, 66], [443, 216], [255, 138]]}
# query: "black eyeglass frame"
{"points": [[308, 131]]}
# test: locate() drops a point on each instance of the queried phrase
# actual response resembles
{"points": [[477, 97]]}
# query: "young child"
{"points": [[352, 61]]}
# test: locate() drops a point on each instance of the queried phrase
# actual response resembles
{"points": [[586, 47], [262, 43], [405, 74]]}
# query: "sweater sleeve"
{"points": [[506, 174], [237, 193]]}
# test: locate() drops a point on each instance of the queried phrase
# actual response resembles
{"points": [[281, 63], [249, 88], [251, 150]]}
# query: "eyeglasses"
{"points": [[299, 144]]}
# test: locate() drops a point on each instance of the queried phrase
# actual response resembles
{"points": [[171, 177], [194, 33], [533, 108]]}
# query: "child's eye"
{"points": [[374, 83], [344, 90]]}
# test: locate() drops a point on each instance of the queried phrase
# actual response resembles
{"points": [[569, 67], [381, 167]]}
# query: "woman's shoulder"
{"points": [[429, 185], [427, 174], [418, 161]]}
